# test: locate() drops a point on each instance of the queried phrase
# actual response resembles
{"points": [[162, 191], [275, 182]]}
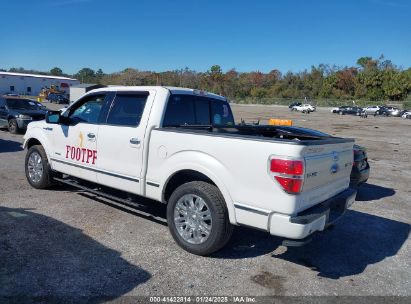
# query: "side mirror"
{"points": [[53, 117]]}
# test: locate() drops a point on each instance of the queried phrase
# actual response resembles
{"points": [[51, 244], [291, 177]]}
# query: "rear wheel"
{"points": [[37, 168], [13, 126], [198, 218]]}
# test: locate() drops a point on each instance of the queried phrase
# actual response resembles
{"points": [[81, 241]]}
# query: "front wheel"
{"points": [[37, 168], [198, 218], [13, 126]]}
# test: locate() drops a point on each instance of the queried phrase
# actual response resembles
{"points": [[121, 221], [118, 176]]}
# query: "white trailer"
{"points": [[31, 84]]}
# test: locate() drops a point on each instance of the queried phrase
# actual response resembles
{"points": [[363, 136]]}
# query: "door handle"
{"points": [[91, 135], [134, 141]]}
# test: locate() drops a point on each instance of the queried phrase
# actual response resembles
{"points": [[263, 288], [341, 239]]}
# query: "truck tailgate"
{"points": [[327, 172]]}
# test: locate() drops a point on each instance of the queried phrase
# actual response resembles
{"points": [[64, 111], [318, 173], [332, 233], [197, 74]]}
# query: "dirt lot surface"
{"points": [[64, 242]]}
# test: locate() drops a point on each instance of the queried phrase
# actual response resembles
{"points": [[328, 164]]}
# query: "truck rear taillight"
{"points": [[288, 173], [286, 166]]}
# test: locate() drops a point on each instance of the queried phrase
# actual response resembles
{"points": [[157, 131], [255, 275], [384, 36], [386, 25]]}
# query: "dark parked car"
{"points": [[383, 111], [17, 113], [294, 104], [388, 111], [57, 98], [394, 111], [350, 111], [361, 168]]}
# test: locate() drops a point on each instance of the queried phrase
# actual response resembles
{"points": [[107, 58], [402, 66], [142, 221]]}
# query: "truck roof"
{"points": [[173, 90]]}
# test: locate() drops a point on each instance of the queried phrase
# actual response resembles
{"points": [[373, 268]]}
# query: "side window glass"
{"points": [[127, 110], [180, 111], [89, 110], [202, 111]]}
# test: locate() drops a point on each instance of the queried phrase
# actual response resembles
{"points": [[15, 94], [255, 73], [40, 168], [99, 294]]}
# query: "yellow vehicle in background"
{"points": [[44, 93]]}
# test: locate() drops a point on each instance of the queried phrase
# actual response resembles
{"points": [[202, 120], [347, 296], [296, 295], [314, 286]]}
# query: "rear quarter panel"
{"points": [[239, 167]]}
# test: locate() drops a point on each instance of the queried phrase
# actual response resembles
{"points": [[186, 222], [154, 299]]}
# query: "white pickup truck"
{"points": [[181, 147]]}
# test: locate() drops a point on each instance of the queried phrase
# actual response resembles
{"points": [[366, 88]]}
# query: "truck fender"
{"points": [[37, 134], [206, 165]]}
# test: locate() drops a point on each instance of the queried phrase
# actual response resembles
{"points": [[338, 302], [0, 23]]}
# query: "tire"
{"points": [[220, 229], [38, 181], [13, 126], [341, 113]]}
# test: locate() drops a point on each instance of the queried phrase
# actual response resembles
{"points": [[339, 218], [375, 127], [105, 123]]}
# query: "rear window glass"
{"points": [[196, 110], [221, 113], [127, 110], [202, 110]]}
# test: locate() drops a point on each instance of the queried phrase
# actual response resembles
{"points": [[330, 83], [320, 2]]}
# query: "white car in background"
{"points": [[305, 108], [372, 109], [406, 114]]}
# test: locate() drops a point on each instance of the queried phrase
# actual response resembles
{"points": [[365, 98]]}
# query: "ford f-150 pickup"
{"points": [[182, 147]]}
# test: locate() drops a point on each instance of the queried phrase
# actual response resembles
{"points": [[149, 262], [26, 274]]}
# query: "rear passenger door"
{"points": [[121, 140]]}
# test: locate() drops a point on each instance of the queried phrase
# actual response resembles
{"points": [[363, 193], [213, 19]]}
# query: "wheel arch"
{"points": [[186, 175], [34, 138]]}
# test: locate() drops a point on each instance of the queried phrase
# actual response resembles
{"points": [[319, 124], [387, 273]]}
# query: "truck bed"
{"points": [[239, 156], [291, 135]]}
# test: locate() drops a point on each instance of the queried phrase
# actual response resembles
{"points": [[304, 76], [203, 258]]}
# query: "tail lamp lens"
{"points": [[285, 166], [288, 173]]}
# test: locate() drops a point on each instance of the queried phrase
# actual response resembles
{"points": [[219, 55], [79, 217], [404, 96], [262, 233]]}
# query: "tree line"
{"points": [[376, 79]]}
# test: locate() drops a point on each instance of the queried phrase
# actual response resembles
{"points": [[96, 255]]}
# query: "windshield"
{"points": [[22, 104]]}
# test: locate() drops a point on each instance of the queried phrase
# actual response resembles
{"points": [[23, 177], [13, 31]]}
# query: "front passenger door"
{"points": [[75, 141]]}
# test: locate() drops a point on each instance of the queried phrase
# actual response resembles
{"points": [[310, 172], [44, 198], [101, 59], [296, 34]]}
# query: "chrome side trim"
{"points": [[251, 209], [96, 170], [153, 184]]}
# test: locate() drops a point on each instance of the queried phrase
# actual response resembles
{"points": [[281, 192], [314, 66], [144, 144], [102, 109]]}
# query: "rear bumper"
{"points": [[314, 219]]}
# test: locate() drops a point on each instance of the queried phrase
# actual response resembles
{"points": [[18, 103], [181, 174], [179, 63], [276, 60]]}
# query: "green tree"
{"points": [[56, 71], [216, 78], [99, 76], [395, 85], [364, 61], [86, 75]]}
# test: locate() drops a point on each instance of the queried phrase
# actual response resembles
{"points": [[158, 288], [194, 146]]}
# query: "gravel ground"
{"points": [[64, 242]]}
